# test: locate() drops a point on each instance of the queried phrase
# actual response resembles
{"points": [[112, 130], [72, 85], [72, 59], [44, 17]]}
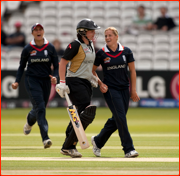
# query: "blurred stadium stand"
{"points": [[152, 50]]}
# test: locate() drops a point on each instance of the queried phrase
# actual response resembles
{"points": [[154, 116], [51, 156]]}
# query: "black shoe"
{"points": [[71, 152]]}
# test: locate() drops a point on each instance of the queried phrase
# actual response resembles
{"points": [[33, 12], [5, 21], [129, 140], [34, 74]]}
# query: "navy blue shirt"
{"points": [[114, 66], [39, 61]]}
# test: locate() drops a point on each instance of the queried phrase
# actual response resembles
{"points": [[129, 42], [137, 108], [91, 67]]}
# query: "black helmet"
{"points": [[87, 24]]}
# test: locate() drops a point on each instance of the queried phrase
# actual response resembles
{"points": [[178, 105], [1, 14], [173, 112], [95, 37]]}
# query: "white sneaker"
{"points": [[71, 152], [131, 154], [47, 143], [27, 129], [96, 150]]}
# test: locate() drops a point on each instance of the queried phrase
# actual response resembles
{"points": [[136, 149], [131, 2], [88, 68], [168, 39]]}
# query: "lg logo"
{"points": [[6, 89], [156, 87]]}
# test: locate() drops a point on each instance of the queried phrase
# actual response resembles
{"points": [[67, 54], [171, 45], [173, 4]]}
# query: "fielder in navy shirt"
{"points": [[39, 54], [115, 60]]}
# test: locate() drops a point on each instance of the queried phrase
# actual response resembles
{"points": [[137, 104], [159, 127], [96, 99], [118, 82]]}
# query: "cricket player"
{"points": [[80, 56], [114, 59], [39, 54]]}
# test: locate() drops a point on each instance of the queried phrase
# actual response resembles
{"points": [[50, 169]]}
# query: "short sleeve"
{"points": [[71, 50], [129, 55]]}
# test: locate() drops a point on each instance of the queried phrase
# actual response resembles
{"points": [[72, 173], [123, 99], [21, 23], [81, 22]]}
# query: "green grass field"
{"points": [[155, 134]]}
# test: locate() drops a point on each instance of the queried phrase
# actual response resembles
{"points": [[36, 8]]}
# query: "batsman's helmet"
{"points": [[87, 24], [84, 25]]}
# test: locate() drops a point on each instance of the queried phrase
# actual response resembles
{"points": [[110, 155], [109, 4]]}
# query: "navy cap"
{"points": [[35, 25]]}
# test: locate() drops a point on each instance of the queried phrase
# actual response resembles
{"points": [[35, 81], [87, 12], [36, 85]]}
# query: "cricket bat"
{"points": [[76, 122]]}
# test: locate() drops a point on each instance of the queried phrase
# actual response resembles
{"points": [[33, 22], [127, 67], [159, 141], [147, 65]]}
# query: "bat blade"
{"points": [[78, 128]]}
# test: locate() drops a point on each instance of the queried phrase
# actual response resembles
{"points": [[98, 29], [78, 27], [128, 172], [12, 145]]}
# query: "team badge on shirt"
{"points": [[45, 52], [69, 46], [124, 58], [107, 60], [33, 53], [86, 50]]}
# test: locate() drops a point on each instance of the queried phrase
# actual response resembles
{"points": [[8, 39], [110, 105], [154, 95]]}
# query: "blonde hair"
{"points": [[113, 29]]}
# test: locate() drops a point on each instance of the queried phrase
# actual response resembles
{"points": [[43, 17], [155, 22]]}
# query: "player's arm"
{"points": [[61, 88], [62, 68], [132, 70], [23, 61], [55, 66], [97, 62], [95, 74], [103, 87], [70, 52]]}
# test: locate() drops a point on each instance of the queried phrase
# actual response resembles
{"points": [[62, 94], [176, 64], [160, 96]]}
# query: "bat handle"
{"points": [[67, 99]]}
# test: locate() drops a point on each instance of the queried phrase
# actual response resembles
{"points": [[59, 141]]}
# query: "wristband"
{"points": [[62, 81]]}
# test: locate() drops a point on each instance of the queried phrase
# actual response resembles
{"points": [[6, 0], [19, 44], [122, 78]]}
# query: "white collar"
{"points": [[167, 15], [33, 42], [107, 50]]}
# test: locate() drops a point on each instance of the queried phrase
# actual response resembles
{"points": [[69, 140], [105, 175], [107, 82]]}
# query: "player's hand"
{"points": [[62, 88], [103, 88], [53, 79], [15, 85], [134, 96], [94, 81]]}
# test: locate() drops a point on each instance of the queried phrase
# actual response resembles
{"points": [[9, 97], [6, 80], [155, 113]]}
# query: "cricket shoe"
{"points": [[47, 143], [95, 149], [27, 129], [71, 152], [131, 154]]}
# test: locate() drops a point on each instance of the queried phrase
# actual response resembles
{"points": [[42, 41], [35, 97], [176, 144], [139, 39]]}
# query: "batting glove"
{"points": [[94, 81], [62, 88]]}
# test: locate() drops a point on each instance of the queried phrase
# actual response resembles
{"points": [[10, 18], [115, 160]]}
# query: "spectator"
{"points": [[3, 36], [59, 50], [164, 22], [17, 38], [142, 20]]}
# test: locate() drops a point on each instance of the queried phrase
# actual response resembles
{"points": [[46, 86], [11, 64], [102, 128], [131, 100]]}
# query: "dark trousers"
{"points": [[80, 95], [38, 91], [118, 102], [80, 92]]}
